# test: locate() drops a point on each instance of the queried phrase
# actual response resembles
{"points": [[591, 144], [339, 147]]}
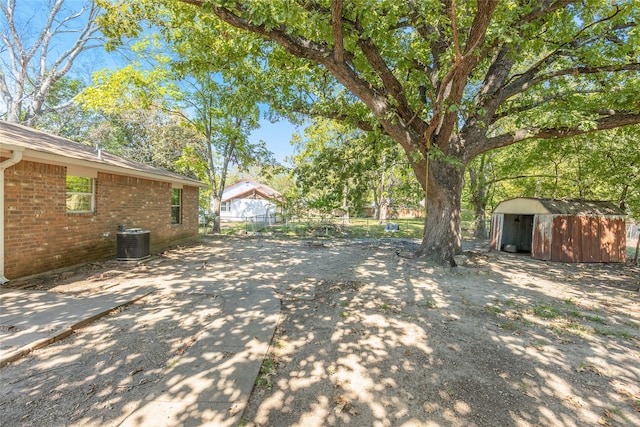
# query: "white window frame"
{"points": [[92, 195], [179, 206], [225, 206]]}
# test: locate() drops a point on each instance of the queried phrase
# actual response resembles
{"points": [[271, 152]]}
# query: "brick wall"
{"points": [[40, 235]]}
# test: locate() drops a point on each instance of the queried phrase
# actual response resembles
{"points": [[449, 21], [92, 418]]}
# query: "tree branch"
{"points": [[307, 49], [528, 107], [336, 23], [518, 83], [612, 121], [511, 178], [546, 7], [454, 82]]}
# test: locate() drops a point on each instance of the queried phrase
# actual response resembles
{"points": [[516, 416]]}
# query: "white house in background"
{"points": [[248, 200]]}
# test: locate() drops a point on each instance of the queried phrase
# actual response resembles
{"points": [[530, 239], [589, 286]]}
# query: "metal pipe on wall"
{"points": [[16, 156]]}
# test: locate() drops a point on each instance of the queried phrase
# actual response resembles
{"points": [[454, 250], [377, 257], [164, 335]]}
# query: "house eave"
{"points": [[97, 165]]}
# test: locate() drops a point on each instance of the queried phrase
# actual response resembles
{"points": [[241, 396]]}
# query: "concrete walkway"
{"points": [[33, 319], [210, 384]]}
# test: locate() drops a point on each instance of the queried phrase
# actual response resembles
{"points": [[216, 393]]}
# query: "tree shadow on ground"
{"points": [[365, 338], [506, 341]]}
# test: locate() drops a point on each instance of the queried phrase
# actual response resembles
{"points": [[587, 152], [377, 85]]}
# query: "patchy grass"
{"points": [[546, 311], [610, 332], [577, 328], [596, 319], [494, 310], [331, 227], [331, 369], [590, 317], [267, 371], [430, 303], [510, 326]]}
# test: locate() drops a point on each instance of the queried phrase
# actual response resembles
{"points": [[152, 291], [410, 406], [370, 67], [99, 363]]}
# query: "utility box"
{"points": [[132, 244]]}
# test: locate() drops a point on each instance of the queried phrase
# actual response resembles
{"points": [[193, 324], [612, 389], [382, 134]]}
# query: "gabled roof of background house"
{"points": [[47, 148], [246, 188], [534, 206]]}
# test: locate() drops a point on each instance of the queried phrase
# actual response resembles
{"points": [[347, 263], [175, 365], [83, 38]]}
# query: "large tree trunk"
{"points": [[442, 239]]}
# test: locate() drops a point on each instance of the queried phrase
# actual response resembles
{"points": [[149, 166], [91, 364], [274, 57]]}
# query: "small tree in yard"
{"points": [[218, 115], [448, 80]]}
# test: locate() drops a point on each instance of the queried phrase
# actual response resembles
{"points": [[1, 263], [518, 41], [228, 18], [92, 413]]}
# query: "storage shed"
{"points": [[560, 230]]}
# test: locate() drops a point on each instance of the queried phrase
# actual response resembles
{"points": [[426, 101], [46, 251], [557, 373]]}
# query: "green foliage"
{"points": [[128, 88], [337, 166], [506, 72], [72, 121], [600, 166]]}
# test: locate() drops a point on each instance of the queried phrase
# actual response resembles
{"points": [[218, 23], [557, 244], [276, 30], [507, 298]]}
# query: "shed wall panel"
{"points": [[588, 239], [621, 229], [576, 236], [541, 245], [592, 241], [606, 240], [497, 224], [557, 231]]}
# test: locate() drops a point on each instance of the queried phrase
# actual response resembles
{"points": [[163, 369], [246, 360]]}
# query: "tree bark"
{"points": [[479, 185], [635, 258], [442, 238], [345, 203], [215, 213]]}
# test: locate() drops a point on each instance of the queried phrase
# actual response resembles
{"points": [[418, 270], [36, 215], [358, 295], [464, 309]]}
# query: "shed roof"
{"points": [[534, 206], [47, 148]]}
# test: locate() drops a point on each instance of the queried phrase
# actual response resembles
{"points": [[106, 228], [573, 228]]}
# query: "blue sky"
{"points": [[277, 136]]}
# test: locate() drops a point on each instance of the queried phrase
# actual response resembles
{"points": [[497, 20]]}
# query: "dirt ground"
{"points": [[368, 337]]}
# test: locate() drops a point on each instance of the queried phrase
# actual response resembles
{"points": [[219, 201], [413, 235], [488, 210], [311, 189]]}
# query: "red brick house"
{"points": [[62, 202]]}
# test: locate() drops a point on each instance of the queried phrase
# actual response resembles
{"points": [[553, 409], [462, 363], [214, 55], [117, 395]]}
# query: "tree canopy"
{"points": [[448, 80]]}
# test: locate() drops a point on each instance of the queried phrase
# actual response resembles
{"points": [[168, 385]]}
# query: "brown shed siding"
{"points": [[587, 239], [40, 235], [541, 242], [562, 230], [566, 238], [590, 246]]}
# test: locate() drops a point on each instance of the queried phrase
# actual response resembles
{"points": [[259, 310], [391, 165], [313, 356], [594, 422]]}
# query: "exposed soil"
{"points": [[368, 337]]}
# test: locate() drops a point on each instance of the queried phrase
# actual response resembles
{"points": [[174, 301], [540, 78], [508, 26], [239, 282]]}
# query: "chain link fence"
{"points": [[318, 226]]}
